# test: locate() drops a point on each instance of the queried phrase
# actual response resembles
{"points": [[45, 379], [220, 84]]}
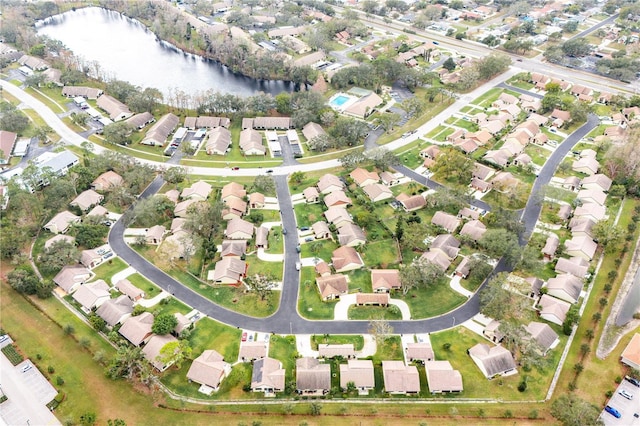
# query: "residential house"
{"points": [[362, 177], [234, 209], [592, 211], [137, 330], [544, 335], [372, 299], [550, 247], [267, 376], [332, 286], [59, 237], [61, 222], [364, 106], [71, 277], [571, 183], [233, 248], [322, 268], [209, 369], [125, 287], [198, 191], [597, 182], [586, 165], [437, 258], [565, 287], [98, 211], [480, 185], [358, 372], [560, 117], [218, 142], [337, 216], [182, 207], [400, 378], [267, 123], [312, 377], [377, 192], [631, 354], [117, 110], [385, 280], [33, 63], [493, 361], [312, 130], [504, 181], [251, 143], [7, 142], [535, 284], [206, 122], [329, 183], [473, 229], [239, 229], [468, 214], [160, 131], [492, 331], [311, 195], [581, 227], [445, 220], [441, 377], [552, 309], [337, 198], [345, 350], [498, 157], [446, 244], [321, 230], [463, 268], [256, 200], [90, 258], [152, 350], [229, 270], [390, 179], [233, 190], [107, 181], [85, 92], [346, 258], [262, 237], [350, 234], [251, 351], [115, 311], [482, 172], [576, 266], [139, 121], [592, 196], [92, 295], [413, 203], [419, 352], [581, 246]]}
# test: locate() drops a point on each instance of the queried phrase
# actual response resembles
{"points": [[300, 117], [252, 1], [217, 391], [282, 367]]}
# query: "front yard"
{"points": [[431, 301]]}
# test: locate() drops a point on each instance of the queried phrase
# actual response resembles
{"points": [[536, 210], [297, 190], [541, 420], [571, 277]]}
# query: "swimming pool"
{"points": [[339, 100]]}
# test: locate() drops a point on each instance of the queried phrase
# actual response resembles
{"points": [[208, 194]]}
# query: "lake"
{"points": [[126, 50]]}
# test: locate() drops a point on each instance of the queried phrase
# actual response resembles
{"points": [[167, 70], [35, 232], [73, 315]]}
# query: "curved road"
{"points": [[287, 318]]}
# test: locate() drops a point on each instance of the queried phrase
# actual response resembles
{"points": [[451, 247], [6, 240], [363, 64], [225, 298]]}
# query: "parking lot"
{"points": [[627, 408]]}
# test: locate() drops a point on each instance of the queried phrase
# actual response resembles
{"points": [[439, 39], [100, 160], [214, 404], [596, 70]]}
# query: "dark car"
{"points": [[633, 381], [304, 228], [236, 168]]}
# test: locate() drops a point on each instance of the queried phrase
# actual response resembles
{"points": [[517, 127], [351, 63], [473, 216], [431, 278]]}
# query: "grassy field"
{"points": [[381, 254], [337, 339], [109, 268], [308, 214], [283, 348], [150, 289], [374, 312], [257, 266], [309, 303], [431, 301], [276, 242], [211, 334], [389, 349]]}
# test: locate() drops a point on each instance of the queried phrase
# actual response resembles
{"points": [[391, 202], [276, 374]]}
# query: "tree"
{"points": [[79, 118], [117, 133], [380, 330], [449, 64], [58, 255], [479, 270], [388, 120], [622, 161], [35, 80], [164, 323], [42, 133], [382, 158], [264, 184], [175, 352], [608, 235], [499, 303], [298, 177], [14, 121], [501, 242], [576, 47], [153, 210], [351, 160], [23, 280], [420, 273], [175, 175], [261, 284], [492, 65], [127, 363], [97, 323], [90, 236], [570, 26], [571, 410]]}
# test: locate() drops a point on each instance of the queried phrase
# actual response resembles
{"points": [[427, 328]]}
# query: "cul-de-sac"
{"points": [[319, 212]]}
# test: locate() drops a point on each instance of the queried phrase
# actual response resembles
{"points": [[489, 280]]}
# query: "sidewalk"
{"points": [[455, 286], [122, 275], [269, 257], [341, 311], [303, 346], [147, 303]]}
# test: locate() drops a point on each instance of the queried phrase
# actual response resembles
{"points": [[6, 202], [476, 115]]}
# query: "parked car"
{"points": [[304, 228], [244, 336], [633, 381], [236, 168], [308, 239], [615, 413], [4, 337], [626, 394], [26, 368], [298, 266]]}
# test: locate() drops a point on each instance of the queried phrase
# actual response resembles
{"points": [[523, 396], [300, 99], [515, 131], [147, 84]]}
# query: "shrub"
{"points": [[59, 381]]}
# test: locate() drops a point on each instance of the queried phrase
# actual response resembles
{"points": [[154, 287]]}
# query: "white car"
{"points": [[626, 394], [26, 368], [298, 266]]}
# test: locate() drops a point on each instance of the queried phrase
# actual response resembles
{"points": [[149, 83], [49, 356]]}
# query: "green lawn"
{"points": [[390, 349], [283, 348], [308, 214], [321, 249], [257, 266], [310, 305], [109, 268], [150, 290], [230, 388], [380, 254], [211, 334], [432, 301], [337, 339], [538, 155], [488, 97], [475, 384], [276, 242], [374, 312], [170, 305], [230, 297]]}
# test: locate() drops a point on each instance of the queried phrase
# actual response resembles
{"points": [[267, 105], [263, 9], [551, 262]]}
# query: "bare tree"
{"points": [[381, 330]]}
